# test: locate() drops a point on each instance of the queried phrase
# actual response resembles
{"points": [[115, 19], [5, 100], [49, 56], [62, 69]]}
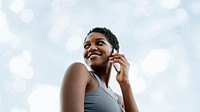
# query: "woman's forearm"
{"points": [[129, 101]]}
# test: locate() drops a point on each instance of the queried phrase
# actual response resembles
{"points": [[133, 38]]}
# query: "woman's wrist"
{"points": [[124, 83]]}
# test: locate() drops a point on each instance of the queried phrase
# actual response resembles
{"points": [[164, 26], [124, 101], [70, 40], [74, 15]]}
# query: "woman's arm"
{"points": [[73, 88], [128, 98], [123, 80]]}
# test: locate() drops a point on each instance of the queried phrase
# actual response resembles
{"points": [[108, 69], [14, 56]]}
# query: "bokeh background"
{"points": [[39, 39]]}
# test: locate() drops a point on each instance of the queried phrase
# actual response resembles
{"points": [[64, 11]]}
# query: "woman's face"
{"points": [[97, 50]]}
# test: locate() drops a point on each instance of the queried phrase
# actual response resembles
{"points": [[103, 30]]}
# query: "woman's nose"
{"points": [[92, 48]]}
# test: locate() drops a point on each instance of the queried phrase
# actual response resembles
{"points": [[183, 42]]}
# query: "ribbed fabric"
{"points": [[102, 99]]}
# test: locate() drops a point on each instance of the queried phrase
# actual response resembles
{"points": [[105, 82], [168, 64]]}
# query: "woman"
{"points": [[88, 91]]}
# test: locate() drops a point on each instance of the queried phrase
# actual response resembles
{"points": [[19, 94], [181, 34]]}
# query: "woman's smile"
{"points": [[90, 55], [93, 56]]}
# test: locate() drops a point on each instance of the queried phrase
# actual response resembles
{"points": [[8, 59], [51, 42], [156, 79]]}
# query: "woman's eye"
{"points": [[86, 46], [100, 43]]}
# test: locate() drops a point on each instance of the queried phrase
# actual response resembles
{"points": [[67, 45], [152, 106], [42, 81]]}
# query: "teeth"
{"points": [[94, 55]]}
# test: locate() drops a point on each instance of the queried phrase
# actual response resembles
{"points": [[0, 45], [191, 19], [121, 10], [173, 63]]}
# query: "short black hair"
{"points": [[112, 39]]}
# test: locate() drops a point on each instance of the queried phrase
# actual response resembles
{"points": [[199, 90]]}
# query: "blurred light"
{"points": [[14, 41], [195, 41], [58, 5], [76, 28], [158, 97], [86, 18], [27, 15], [8, 86], [73, 43], [19, 85], [1, 4], [69, 3], [134, 69], [15, 109], [169, 4], [195, 6], [27, 57], [137, 82], [154, 29], [181, 14], [183, 76], [44, 98], [6, 36], [121, 7], [17, 5], [151, 30], [156, 61], [3, 28], [0, 100], [19, 65], [142, 8], [59, 28]]}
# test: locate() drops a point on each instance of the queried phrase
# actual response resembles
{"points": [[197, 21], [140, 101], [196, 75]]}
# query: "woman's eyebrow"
{"points": [[95, 40], [100, 39]]}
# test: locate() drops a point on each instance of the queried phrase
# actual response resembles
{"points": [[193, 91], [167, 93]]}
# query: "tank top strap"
{"points": [[96, 78], [107, 90]]}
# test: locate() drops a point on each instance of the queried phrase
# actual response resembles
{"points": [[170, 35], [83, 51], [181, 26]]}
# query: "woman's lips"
{"points": [[93, 55]]}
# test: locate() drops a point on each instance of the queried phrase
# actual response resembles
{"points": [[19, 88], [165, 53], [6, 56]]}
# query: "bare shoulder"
{"points": [[75, 77], [75, 81], [76, 70], [77, 65]]}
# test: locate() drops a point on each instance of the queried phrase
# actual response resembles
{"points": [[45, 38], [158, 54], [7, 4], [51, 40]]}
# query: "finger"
{"points": [[117, 60], [124, 57], [119, 56], [121, 62]]}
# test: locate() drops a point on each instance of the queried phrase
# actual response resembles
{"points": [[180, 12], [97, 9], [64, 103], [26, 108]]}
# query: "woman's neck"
{"points": [[104, 74]]}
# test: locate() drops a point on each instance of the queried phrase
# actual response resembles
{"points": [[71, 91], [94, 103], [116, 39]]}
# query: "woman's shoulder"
{"points": [[77, 67], [77, 64], [77, 70]]}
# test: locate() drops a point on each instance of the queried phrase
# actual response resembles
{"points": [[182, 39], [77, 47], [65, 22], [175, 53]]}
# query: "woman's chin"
{"points": [[95, 65]]}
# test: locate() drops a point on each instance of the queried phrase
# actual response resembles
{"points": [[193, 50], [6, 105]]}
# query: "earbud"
{"points": [[116, 65]]}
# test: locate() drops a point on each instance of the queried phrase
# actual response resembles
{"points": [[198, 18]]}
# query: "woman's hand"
{"points": [[122, 76], [123, 80]]}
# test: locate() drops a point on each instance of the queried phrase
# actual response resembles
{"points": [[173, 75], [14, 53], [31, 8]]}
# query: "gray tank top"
{"points": [[102, 99]]}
